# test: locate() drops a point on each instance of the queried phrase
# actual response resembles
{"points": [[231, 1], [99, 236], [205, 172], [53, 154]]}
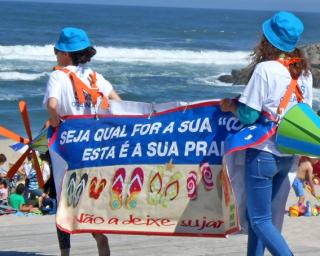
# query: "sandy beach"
{"points": [[12, 156], [36, 235]]}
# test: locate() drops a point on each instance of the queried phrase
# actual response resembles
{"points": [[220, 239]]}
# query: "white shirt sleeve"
{"points": [[256, 91], [45, 172], [54, 86], [104, 85], [27, 168]]}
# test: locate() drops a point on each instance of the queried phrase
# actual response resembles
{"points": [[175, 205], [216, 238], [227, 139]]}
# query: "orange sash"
{"points": [[80, 87], [292, 88]]}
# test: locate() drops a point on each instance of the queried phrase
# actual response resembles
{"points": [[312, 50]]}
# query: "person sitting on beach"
{"points": [[48, 202], [32, 187], [3, 171], [73, 50], [3, 191], [17, 201], [304, 177], [45, 167]]}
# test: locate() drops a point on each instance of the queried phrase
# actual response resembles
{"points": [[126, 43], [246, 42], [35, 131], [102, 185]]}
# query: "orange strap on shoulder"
{"points": [[292, 88], [95, 92], [79, 88], [94, 89]]}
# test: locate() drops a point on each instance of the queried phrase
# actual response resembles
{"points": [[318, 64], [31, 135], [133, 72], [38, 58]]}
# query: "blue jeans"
{"points": [[264, 176]]}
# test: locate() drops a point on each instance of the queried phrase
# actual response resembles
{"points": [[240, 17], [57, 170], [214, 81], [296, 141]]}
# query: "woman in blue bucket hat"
{"points": [[281, 77], [69, 92]]}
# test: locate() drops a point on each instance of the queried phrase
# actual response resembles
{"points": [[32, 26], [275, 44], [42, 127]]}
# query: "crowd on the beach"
{"points": [[21, 194]]}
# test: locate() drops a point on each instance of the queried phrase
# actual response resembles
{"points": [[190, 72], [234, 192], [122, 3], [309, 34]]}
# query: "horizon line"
{"points": [[149, 6]]}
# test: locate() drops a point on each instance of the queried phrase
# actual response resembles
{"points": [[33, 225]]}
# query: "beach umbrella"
{"points": [[29, 142]]}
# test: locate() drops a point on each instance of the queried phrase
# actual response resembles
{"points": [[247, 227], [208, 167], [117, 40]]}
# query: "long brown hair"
{"points": [[265, 51], [83, 56]]}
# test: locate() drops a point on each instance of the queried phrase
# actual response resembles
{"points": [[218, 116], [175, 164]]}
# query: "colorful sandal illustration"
{"points": [[155, 186], [226, 186], [93, 192], [192, 185], [207, 176], [80, 189], [117, 188], [71, 187], [135, 187], [172, 189]]}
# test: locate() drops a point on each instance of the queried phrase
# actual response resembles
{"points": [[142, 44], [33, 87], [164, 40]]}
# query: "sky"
{"points": [[290, 5]]}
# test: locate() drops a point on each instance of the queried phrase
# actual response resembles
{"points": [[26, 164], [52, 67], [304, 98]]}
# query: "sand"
{"points": [[11, 155], [36, 235]]}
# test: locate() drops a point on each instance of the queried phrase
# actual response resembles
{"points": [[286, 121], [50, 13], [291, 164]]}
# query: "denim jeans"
{"points": [[264, 176]]}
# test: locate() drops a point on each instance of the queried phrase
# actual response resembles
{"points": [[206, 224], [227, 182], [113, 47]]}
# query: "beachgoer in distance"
{"points": [[3, 171], [316, 172], [32, 187], [73, 50], [3, 191], [17, 201], [276, 62], [304, 175], [45, 166]]}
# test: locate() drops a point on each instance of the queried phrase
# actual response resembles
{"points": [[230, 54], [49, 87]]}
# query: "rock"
{"points": [[312, 53], [242, 76], [316, 77], [226, 79]]}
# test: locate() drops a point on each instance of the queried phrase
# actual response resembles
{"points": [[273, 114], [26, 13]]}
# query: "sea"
{"points": [[149, 54]]}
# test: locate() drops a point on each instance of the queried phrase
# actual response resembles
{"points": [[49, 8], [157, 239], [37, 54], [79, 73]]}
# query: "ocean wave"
{"points": [[211, 80], [113, 54], [10, 97], [18, 76]]}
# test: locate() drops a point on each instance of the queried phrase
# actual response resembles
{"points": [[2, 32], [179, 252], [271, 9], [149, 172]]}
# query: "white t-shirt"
{"points": [[59, 86], [3, 171], [265, 90], [45, 171], [27, 168]]}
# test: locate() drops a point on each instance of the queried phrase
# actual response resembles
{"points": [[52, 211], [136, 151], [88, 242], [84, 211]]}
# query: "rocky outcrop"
{"points": [[312, 52]]}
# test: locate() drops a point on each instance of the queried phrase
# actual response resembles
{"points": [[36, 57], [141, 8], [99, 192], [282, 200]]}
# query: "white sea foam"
{"points": [[171, 56], [10, 97], [211, 80], [27, 52], [109, 54], [18, 76]]}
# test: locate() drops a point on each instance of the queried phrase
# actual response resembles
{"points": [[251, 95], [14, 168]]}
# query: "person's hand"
{"points": [[34, 209], [54, 122], [227, 105], [44, 195]]}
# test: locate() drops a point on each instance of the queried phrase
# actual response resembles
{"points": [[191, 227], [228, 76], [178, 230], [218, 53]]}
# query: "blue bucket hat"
{"points": [[72, 40], [283, 30]]}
